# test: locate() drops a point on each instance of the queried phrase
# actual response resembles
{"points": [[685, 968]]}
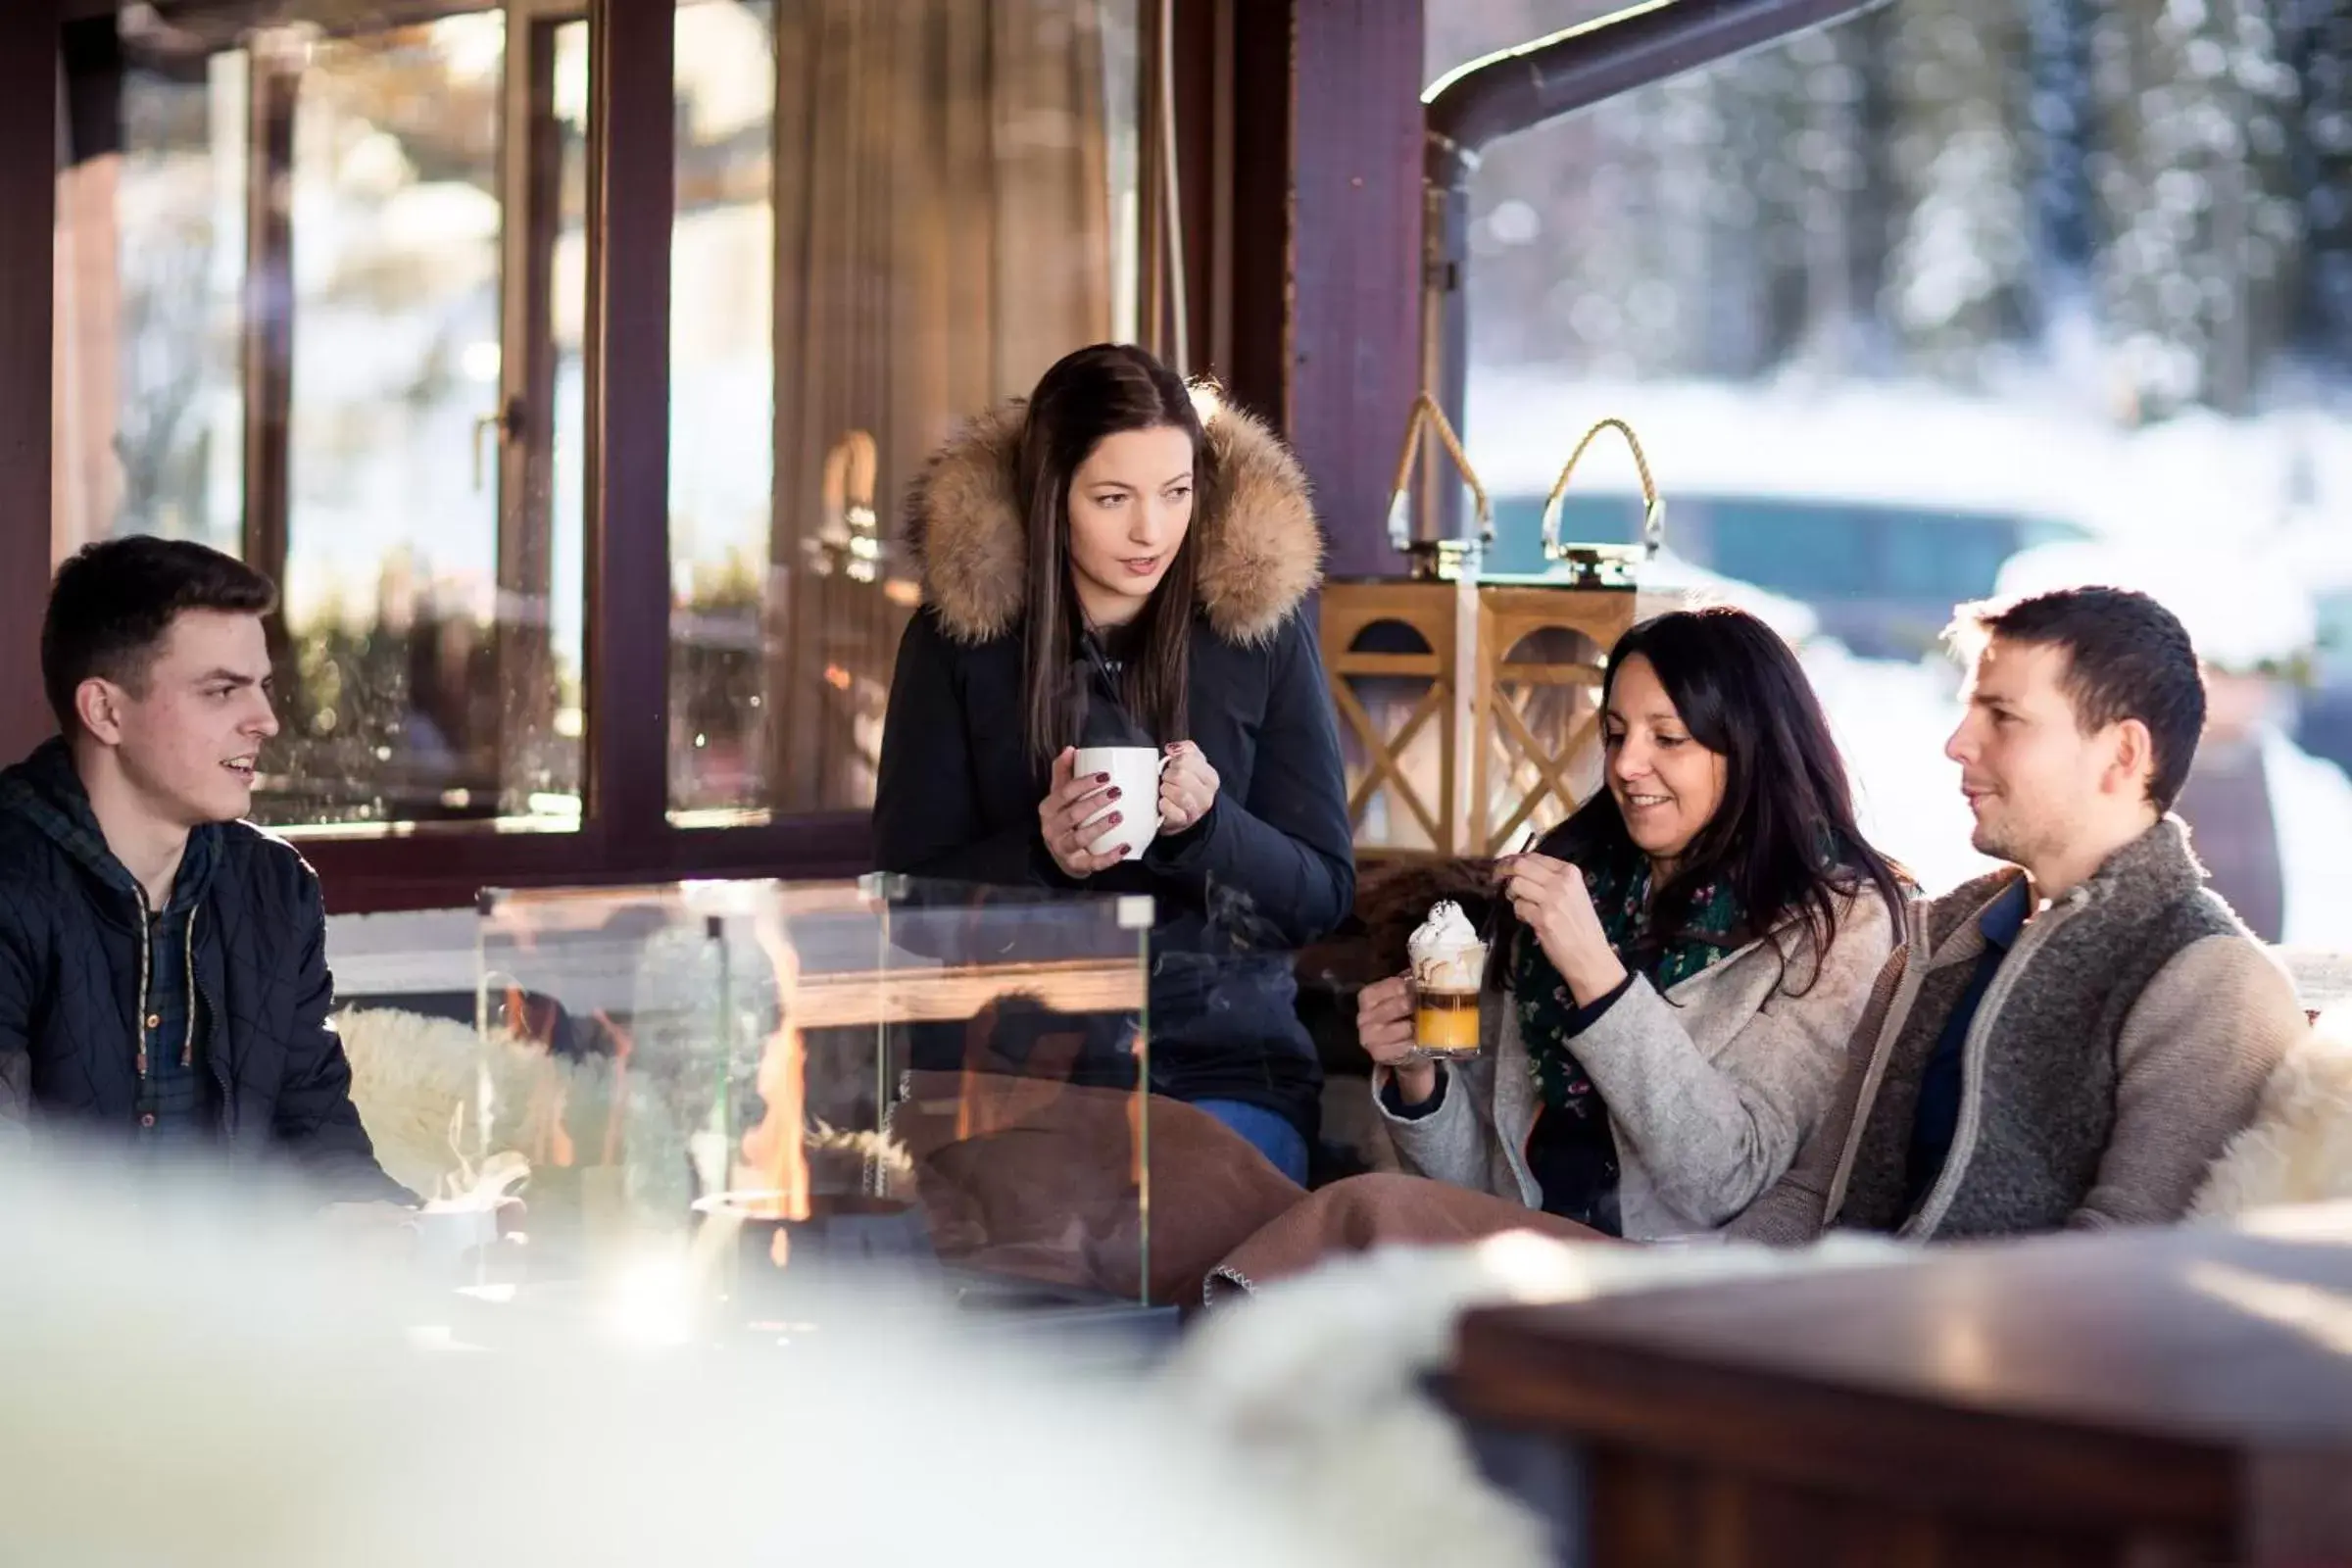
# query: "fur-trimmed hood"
{"points": [[1260, 551]]}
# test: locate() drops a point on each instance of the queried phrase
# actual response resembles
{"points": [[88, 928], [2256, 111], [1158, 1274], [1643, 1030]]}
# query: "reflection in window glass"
{"points": [[392, 528], [1893, 302], [565, 492], [952, 208], [722, 401], [151, 264], [367, 386]]}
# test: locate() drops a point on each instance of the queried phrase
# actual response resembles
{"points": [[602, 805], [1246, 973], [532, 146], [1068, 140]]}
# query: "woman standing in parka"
{"points": [[1121, 560]]}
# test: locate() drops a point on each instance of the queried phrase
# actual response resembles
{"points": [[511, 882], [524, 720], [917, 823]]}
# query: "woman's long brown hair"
{"points": [[1094, 393]]}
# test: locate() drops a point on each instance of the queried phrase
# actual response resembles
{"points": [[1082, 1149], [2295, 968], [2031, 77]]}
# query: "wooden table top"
{"points": [[2218, 1335], [2176, 1370]]}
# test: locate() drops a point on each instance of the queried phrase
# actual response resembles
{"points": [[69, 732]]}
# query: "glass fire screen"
{"points": [[751, 1081]]}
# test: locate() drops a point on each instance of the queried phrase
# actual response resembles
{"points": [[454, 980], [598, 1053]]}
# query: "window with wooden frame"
{"points": [[563, 360], [319, 306]]}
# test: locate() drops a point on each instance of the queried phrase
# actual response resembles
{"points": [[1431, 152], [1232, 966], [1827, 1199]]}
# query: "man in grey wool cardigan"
{"points": [[2069, 1041]]}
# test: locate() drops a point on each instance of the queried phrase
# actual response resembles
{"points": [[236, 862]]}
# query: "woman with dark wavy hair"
{"points": [[1671, 989]]}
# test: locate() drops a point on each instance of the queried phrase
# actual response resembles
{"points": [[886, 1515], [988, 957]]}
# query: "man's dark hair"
{"points": [[2127, 656], [112, 602]]}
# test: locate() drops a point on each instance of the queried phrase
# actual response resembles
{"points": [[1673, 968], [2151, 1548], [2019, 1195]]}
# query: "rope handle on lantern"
{"points": [[1426, 412], [1653, 506]]}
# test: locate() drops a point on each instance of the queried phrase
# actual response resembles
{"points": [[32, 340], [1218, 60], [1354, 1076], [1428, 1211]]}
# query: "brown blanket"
{"points": [[1379, 1211], [1037, 1180]]}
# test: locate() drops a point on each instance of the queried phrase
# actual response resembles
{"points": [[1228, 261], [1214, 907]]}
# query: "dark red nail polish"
{"points": [[1114, 795], [1116, 818], [1102, 778]]}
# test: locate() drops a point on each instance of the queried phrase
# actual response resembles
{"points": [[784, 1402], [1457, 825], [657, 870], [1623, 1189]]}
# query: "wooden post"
{"points": [[1356, 240], [632, 182], [28, 155], [1257, 362]]}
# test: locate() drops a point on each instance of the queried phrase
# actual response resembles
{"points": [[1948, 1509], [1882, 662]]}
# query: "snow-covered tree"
{"points": [[2191, 181], [2059, 124], [2154, 194], [1961, 275], [2316, 44]]}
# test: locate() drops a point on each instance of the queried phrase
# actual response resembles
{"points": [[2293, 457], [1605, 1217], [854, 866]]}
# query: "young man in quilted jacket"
{"points": [[2069, 1041], [162, 964]]}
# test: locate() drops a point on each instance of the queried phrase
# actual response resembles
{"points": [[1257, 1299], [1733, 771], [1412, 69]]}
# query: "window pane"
{"points": [[392, 529], [1892, 304], [366, 386], [952, 208], [563, 493], [151, 265], [722, 402]]}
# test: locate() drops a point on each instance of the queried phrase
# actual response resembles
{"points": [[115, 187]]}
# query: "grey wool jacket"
{"points": [[2122, 1042], [1712, 1087]]}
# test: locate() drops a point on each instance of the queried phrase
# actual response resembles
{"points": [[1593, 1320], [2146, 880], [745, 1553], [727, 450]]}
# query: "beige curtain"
{"points": [[944, 226]]}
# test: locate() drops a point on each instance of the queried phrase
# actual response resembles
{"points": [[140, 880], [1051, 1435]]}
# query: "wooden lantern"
{"points": [[1469, 707]]}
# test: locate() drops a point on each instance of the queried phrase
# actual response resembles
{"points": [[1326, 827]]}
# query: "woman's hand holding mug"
{"points": [[1188, 787], [1384, 1024], [1071, 819]]}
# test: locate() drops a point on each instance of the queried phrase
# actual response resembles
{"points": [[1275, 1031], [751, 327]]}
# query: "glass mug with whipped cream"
{"points": [[1448, 967]]}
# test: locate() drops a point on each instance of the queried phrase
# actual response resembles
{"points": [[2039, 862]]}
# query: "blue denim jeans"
{"points": [[1269, 1134]]}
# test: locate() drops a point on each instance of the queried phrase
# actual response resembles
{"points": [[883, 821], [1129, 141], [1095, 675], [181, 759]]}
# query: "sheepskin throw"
{"points": [[2299, 1150], [420, 1090], [1317, 1380]]}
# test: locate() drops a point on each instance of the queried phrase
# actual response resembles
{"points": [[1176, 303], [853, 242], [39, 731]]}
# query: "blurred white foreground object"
{"points": [[182, 1390]]}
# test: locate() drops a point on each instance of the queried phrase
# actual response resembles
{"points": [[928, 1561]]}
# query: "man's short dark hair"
{"points": [[112, 602], [2127, 656]]}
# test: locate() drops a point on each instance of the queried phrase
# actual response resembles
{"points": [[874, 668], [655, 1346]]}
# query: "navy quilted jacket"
{"points": [[70, 952]]}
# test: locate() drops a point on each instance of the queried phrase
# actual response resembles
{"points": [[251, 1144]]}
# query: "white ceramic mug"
{"points": [[447, 1235], [1135, 773]]}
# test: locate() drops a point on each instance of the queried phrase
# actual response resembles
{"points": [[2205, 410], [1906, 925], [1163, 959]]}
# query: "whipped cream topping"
{"points": [[1445, 949]]}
